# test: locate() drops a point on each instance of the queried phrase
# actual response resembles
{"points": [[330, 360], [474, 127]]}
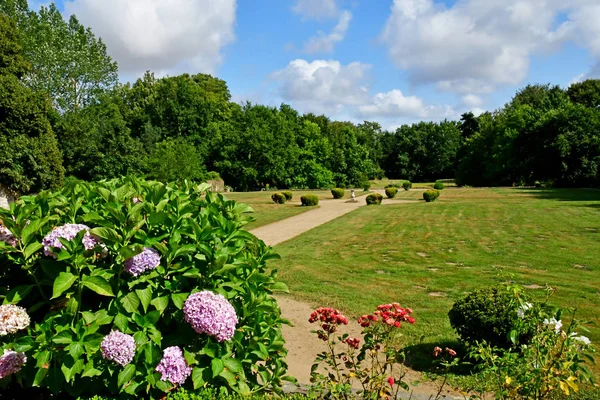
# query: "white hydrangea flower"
{"points": [[12, 319], [583, 339], [557, 324]]}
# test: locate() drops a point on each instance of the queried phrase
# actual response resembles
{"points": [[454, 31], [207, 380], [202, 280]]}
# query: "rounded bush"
{"points": [[486, 314], [310, 200], [391, 192], [438, 185], [407, 185], [374, 199], [288, 195], [160, 292], [338, 193], [431, 195], [278, 198]]}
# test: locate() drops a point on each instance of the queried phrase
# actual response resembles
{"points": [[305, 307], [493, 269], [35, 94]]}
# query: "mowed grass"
{"points": [[428, 255], [266, 212], [382, 183]]}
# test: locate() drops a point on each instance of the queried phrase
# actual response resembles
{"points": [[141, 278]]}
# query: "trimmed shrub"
{"points": [[391, 192], [367, 186], [140, 258], [374, 199], [486, 314], [393, 185], [338, 193], [310, 200], [288, 195], [407, 185], [438, 185], [278, 198], [431, 195]]}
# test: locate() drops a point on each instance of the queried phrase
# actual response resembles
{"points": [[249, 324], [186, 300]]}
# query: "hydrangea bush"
{"points": [[136, 288]]}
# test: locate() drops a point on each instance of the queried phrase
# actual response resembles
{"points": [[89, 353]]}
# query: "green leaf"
{"points": [[107, 234], [63, 282], [14, 296], [98, 285], [31, 249], [217, 367], [130, 251], [151, 318], [145, 296], [71, 367], [197, 378], [280, 287], [39, 376], [122, 323], [30, 230], [64, 337], [160, 303], [234, 365], [42, 359], [179, 299], [131, 302], [76, 350], [126, 375]]}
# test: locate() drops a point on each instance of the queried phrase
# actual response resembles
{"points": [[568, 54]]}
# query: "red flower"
{"points": [[329, 318], [352, 342], [391, 381], [437, 351], [451, 352]]}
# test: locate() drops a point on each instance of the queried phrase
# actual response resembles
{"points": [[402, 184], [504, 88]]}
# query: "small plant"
{"points": [[438, 185], [485, 315], [309, 200], [288, 195], [538, 184], [431, 195], [553, 359], [338, 193], [407, 185], [391, 192], [377, 366], [367, 186], [278, 198], [374, 199]]}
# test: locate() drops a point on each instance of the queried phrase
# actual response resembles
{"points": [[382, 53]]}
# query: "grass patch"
{"points": [[382, 183], [267, 212], [426, 256]]}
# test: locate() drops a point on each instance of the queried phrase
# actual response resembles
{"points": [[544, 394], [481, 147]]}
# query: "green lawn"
{"points": [[267, 212], [382, 183], [427, 255]]}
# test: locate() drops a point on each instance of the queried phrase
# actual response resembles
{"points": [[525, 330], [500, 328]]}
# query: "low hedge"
{"points": [[278, 198], [391, 192], [310, 200], [407, 185], [374, 199], [338, 193], [438, 185], [431, 195], [288, 195]]}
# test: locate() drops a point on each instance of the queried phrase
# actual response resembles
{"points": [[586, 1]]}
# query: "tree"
{"points": [[175, 159], [29, 157], [586, 93], [69, 64]]}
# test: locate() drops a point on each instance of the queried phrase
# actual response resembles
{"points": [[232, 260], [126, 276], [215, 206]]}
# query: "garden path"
{"points": [[303, 347]]}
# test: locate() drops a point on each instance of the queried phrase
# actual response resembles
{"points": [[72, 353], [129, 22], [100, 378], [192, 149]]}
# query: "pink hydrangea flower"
{"points": [[11, 362], [7, 236], [173, 366], [69, 231], [147, 260], [118, 347], [212, 314]]}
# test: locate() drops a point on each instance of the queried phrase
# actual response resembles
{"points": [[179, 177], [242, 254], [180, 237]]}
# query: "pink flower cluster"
{"points": [[352, 342], [390, 314], [329, 318], [11, 362], [147, 260], [68, 232], [7, 236], [210, 313], [173, 366], [118, 347]]}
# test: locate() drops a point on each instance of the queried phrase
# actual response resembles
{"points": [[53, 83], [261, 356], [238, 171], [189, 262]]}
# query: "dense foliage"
{"points": [[431, 195], [136, 287], [438, 185], [106, 129], [309, 200], [278, 198], [391, 192], [374, 199], [338, 193], [289, 195], [407, 185]]}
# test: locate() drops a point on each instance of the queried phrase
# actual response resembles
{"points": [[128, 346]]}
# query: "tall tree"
{"points": [[586, 93]]}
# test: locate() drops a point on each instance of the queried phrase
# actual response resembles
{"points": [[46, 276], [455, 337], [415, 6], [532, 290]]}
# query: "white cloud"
{"points": [[324, 43], [470, 100], [475, 46], [164, 36], [327, 86], [316, 9]]}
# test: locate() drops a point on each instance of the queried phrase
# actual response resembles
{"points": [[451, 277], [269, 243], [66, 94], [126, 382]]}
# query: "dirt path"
{"points": [[302, 345]]}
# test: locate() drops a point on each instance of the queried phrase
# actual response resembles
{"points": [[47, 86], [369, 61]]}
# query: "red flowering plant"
{"points": [[375, 368]]}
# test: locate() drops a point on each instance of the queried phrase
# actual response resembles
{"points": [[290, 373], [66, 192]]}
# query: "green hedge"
{"points": [[374, 199], [391, 192], [407, 185], [288, 195], [310, 200], [438, 185], [278, 198], [431, 195], [338, 193]]}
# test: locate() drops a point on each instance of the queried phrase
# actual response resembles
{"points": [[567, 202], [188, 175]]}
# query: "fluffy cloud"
{"points": [[343, 91], [166, 37], [474, 46], [316, 9], [472, 101], [324, 43]]}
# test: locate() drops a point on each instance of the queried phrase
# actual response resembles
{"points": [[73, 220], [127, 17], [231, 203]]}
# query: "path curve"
{"points": [[302, 345]]}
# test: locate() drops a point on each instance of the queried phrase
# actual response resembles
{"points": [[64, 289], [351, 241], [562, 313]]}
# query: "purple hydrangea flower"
{"points": [[7, 236], [69, 231], [11, 363], [210, 313], [173, 366], [118, 347], [147, 260], [12, 319]]}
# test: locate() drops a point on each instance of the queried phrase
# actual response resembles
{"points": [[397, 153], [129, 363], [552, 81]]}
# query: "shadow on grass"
{"points": [[419, 357], [565, 194]]}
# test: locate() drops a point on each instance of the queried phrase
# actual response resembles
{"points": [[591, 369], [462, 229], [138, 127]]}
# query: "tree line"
{"points": [[63, 112]]}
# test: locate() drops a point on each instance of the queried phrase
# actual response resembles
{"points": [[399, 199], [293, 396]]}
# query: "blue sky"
{"points": [[392, 61]]}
